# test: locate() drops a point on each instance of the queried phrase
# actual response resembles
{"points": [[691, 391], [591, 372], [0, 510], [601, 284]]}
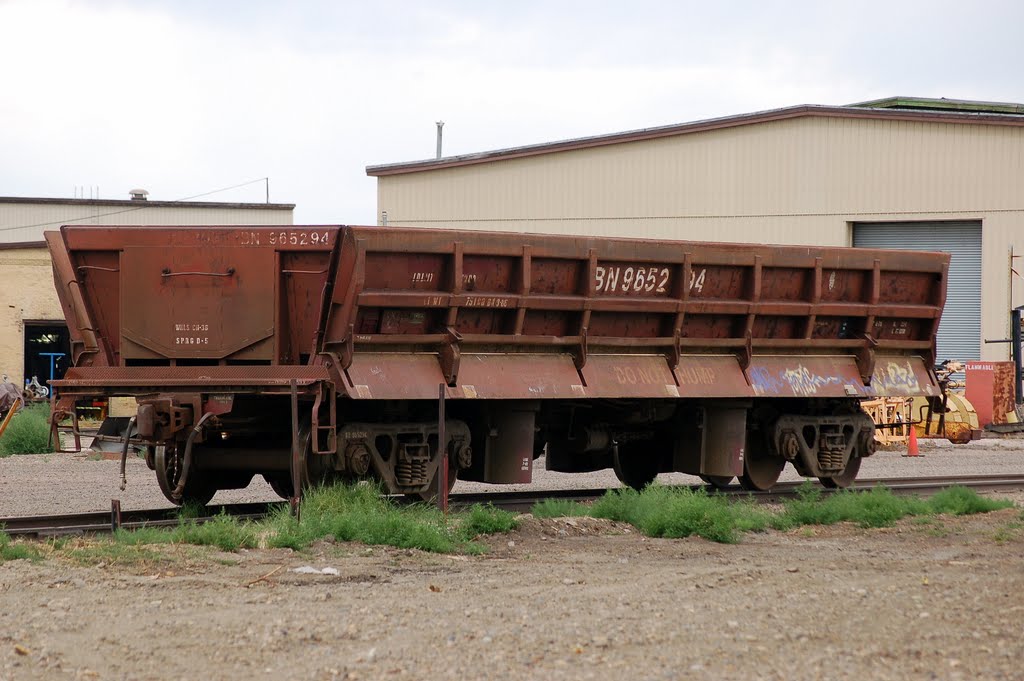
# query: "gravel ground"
{"points": [[556, 599], [72, 483]]}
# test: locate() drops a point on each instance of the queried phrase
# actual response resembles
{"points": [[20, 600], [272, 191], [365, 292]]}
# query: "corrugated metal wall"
{"points": [[960, 329], [735, 177]]}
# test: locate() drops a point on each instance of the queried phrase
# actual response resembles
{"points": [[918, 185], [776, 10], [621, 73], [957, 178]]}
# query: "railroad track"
{"points": [[83, 523]]}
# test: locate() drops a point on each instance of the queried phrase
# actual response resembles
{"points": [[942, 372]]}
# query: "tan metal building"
{"points": [[899, 172], [33, 336]]}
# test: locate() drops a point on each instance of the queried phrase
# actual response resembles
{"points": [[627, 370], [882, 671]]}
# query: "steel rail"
{"points": [[83, 523]]}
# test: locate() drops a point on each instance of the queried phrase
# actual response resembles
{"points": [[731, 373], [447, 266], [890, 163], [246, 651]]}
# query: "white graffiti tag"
{"points": [[804, 383]]}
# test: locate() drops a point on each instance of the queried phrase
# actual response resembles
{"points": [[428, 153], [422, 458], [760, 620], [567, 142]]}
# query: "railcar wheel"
{"points": [[312, 469], [168, 462], [761, 470], [633, 466], [717, 481], [846, 478]]}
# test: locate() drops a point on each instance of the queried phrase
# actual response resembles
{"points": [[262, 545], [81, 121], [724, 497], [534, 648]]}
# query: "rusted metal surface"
{"points": [[205, 377], [903, 377], [517, 376], [711, 376], [492, 315], [990, 388], [629, 376], [824, 376], [400, 376]]}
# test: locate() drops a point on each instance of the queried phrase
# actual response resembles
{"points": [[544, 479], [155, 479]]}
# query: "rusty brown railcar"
{"points": [[312, 353]]}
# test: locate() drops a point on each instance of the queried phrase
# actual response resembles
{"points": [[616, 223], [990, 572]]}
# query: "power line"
{"points": [[130, 210]]}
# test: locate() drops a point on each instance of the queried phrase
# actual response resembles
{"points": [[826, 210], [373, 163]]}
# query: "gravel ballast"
{"points": [[574, 598], [76, 483]]}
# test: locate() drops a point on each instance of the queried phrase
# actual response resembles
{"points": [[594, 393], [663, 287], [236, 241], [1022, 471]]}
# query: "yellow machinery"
{"points": [[952, 416]]}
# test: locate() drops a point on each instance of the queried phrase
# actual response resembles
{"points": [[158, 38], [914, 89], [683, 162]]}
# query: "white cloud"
{"points": [[182, 98]]}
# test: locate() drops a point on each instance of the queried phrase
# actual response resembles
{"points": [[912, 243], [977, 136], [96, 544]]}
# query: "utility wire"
{"points": [[129, 210]]}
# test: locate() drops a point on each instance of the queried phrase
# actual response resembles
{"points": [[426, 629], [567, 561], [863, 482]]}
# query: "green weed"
{"points": [[877, 507], [485, 519], [559, 508], [223, 531], [28, 432], [959, 500], [112, 553], [660, 511], [11, 550], [681, 512], [359, 513]]}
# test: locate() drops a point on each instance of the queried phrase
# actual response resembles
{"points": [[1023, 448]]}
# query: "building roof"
{"points": [[942, 104], [13, 245], [124, 203], [892, 108]]}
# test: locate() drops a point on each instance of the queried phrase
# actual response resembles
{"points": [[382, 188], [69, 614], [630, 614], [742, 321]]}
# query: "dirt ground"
{"points": [[556, 599]]}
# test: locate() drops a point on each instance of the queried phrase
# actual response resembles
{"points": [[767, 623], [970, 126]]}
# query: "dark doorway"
{"points": [[47, 351]]}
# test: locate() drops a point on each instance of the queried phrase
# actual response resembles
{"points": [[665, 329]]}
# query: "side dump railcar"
{"points": [[309, 353]]}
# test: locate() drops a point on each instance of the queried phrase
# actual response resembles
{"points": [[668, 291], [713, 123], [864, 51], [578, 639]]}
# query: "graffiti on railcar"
{"points": [[799, 381], [898, 376]]}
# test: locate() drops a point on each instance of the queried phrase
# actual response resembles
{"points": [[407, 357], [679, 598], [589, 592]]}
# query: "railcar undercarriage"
{"points": [[396, 443]]}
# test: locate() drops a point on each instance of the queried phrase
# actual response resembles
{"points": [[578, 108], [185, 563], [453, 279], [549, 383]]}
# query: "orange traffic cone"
{"points": [[912, 442]]}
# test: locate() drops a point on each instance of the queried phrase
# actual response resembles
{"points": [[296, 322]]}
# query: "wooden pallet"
{"points": [[885, 410]]}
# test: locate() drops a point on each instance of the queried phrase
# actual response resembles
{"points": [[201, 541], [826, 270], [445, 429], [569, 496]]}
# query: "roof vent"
{"points": [[138, 194]]}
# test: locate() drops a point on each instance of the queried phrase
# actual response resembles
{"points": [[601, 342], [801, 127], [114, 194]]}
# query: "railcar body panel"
{"points": [[656, 341]]}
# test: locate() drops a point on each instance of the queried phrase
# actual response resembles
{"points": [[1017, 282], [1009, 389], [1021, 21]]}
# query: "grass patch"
{"points": [[963, 501], [106, 552], [877, 507], [485, 519], [11, 550], [224, 532], [28, 432], [559, 508], [681, 512], [359, 513], [356, 513], [660, 511]]}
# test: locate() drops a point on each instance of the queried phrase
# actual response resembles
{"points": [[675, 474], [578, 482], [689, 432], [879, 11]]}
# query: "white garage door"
{"points": [[960, 329]]}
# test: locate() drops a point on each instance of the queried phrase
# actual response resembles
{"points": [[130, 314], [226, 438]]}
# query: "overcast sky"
{"points": [[185, 97]]}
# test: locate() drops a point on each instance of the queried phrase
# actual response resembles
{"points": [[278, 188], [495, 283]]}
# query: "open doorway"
{"points": [[47, 351]]}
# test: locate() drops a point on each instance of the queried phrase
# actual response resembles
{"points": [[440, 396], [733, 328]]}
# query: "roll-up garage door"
{"points": [[960, 328]]}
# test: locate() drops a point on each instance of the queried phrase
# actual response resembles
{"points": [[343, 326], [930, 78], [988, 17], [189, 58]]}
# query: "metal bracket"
{"points": [[579, 355], [866, 359], [449, 356], [746, 354]]}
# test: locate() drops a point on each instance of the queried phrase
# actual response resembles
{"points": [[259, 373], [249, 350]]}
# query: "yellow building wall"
{"points": [[26, 294]]}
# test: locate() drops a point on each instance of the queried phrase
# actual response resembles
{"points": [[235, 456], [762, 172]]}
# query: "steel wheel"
{"points": [[168, 464], [633, 466], [311, 468], [717, 481], [846, 478]]}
